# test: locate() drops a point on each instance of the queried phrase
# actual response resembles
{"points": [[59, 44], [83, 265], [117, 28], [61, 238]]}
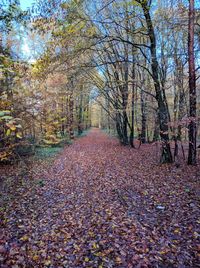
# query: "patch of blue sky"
{"points": [[25, 4], [27, 53]]}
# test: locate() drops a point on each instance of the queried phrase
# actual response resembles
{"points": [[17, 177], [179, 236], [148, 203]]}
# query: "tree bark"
{"points": [[132, 132], [192, 87], [166, 156], [143, 123], [80, 115]]}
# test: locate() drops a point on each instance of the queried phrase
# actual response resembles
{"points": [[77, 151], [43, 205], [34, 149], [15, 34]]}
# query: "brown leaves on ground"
{"points": [[103, 205]]}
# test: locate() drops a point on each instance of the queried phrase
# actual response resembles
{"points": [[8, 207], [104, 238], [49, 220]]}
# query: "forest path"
{"points": [[103, 205]]}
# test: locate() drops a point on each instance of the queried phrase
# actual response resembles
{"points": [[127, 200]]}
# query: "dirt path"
{"points": [[103, 205]]}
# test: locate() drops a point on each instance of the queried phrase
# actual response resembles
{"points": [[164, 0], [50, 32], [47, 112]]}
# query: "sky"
{"points": [[26, 4]]}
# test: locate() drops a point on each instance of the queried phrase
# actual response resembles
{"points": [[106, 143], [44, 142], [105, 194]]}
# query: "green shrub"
{"points": [[46, 152]]}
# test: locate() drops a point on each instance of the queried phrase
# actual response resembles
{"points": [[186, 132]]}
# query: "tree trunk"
{"points": [[166, 156], [80, 115], [192, 87], [156, 129], [71, 116], [143, 112], [133, 101]]}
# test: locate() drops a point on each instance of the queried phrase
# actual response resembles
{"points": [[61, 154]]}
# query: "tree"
{"points": [[11, 18], [192, 87], [163, 113]]}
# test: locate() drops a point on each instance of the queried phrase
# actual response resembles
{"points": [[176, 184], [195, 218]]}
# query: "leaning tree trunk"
{"points": [[192, 87], [163, 117]]}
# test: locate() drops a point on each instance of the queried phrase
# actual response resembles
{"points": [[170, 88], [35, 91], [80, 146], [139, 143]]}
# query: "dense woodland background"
{"points": [[129, 67]]}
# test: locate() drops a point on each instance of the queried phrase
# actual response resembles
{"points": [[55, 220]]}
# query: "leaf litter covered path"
{"points": [[103, 205]]}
